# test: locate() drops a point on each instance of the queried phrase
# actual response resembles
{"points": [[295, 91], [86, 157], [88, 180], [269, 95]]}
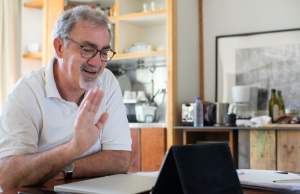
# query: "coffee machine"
{"points": [[244, 101]]}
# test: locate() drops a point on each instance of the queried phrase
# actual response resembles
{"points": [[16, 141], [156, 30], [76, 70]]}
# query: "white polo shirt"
{"points": [[35, 118]]}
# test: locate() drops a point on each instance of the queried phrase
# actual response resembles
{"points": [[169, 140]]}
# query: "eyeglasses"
{"points": [[88, 52]]}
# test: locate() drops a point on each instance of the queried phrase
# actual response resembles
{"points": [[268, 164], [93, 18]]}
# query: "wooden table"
{"points": [[256, 191], [50, 185], [37, 191]]}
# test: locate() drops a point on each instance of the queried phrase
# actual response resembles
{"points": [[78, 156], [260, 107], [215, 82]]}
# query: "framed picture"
{"points": [[262, 59]]}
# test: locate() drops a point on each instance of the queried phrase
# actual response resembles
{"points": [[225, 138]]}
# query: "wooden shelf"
{"points": [[113, 19], [135, 55], [36, 4], [142, 18], [33, 55]]}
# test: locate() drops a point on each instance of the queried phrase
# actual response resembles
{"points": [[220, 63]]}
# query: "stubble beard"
{"points": [[86, 83]]}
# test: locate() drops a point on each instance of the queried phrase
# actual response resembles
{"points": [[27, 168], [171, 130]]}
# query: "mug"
{"points": [[230, 120], [222, 109]]}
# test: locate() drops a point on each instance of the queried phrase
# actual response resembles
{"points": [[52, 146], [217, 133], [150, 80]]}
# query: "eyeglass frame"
{"points": [[96, 49]]}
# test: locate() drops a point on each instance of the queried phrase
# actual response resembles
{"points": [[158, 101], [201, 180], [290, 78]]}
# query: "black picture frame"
{"points": [[233, 51]]}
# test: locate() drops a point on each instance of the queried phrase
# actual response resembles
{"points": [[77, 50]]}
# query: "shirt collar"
{"points": [[50, 85]]}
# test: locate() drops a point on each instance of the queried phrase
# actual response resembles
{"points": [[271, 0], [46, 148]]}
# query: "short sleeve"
{"points": [[116, 132], [18, 123]]}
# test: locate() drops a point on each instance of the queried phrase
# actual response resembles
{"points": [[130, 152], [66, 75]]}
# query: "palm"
{"points": [[86, 131]]}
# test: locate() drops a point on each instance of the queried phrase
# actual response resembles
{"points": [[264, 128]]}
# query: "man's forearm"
{"points": [[103, 163], [31, 169]]}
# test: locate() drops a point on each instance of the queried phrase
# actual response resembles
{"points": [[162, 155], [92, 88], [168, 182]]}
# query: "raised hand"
{"points": [[86, 131]]}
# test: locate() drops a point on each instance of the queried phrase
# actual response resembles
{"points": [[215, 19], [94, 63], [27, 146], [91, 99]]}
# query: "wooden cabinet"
{"points": [[148, 148], [33, 4], [192, 135], [133, 25], [156, 27], [288, 150], [135, 165], [263, 149], [153, 148], [275, 148], [51, 10], [36, 4], [33, 55]]}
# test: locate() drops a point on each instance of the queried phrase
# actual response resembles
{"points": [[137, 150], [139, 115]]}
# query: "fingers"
{"points": [[96, 100], [92, 100], [102, 120]]}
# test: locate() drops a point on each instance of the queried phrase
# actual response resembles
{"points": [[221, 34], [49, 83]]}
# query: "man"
{"points": [[58, 119]]}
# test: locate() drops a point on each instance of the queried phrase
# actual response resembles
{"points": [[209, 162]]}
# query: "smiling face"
{"points": [[77, 71]]}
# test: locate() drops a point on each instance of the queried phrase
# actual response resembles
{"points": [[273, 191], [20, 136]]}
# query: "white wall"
{"points": [[187, 50], [223, 17]]}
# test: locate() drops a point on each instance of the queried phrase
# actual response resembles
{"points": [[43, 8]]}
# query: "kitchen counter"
{"points": [[147, 125]]}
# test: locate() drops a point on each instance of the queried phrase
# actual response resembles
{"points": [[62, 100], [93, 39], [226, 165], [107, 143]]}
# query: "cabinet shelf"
{"points": [[36, 4], [135, 55], [142, 18], [112, 19], [33, 55]]}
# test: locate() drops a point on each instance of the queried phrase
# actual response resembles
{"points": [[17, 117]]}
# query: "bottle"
{"points": [[281, 103], [273, 106], [198, 113]]}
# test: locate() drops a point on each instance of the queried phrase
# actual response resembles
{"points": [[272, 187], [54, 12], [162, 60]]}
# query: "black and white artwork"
{"points": [[271, 67], [265, 60]]}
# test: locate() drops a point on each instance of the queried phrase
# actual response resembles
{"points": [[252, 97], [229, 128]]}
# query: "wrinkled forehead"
{"points": [[97, 34]]}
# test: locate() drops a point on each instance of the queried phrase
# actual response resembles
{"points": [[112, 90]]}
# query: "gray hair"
{"points": [[69, 18]]}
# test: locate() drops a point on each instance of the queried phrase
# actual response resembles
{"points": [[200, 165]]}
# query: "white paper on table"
{"points": [[266, 178]]}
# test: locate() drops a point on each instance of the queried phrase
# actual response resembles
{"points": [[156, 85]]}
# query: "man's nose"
{"points": [[96, 60]]}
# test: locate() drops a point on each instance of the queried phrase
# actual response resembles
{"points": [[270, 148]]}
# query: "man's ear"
{"points": [[58, 47]]}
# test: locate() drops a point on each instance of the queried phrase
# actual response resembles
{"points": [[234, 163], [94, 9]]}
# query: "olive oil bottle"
{"points": [[274, 106], [281, 103]]}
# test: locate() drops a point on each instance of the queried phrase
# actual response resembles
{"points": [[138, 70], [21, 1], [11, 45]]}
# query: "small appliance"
{"points": [[244, 101], [221, 112], [187, 113]]}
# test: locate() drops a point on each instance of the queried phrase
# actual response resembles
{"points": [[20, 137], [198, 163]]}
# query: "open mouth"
{"points": [[88, 71]]}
